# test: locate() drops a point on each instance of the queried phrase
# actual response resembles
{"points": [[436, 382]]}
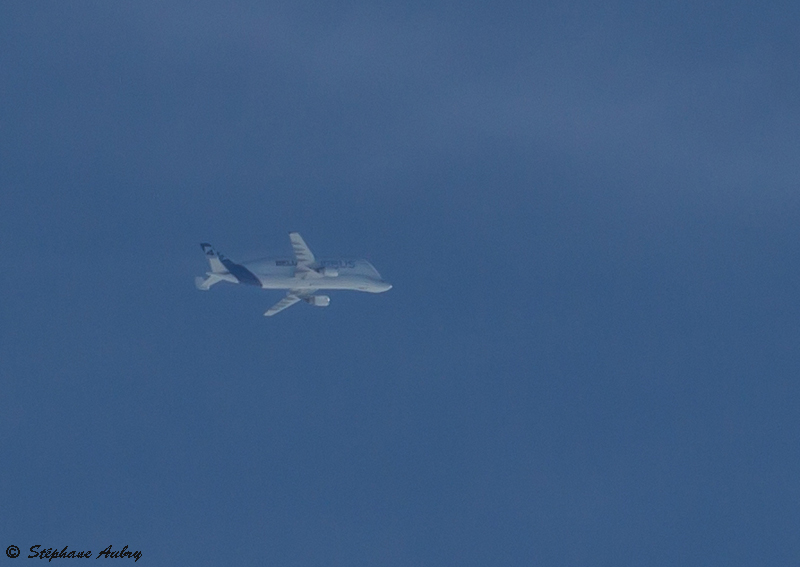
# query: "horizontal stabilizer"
{"points": [[213, 277]]}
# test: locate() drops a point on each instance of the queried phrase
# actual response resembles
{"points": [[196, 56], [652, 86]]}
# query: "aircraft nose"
{"points": [[386, 286]]}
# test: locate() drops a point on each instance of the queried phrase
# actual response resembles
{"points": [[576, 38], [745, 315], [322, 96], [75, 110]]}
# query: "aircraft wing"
{"points": [[302, 252], [292, 297]]}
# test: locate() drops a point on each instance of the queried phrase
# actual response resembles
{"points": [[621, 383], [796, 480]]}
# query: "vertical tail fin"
{"points": [[223, 269], [213, 258]]}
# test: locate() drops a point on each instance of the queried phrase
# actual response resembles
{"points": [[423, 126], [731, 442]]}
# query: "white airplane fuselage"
{"points": [[281, 273]]}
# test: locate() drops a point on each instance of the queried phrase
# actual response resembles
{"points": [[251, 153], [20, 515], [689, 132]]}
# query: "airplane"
{"points": [[302, 276]]}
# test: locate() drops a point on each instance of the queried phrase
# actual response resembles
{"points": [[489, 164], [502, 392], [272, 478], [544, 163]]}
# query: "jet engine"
{"points": [[329, 272], [318, 300]]}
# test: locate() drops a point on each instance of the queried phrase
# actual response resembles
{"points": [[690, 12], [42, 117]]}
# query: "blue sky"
{"points": [[589, 212]]}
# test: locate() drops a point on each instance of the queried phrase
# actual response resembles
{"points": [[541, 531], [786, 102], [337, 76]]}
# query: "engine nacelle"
{"points": [[318, 300], [329, 272]]}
